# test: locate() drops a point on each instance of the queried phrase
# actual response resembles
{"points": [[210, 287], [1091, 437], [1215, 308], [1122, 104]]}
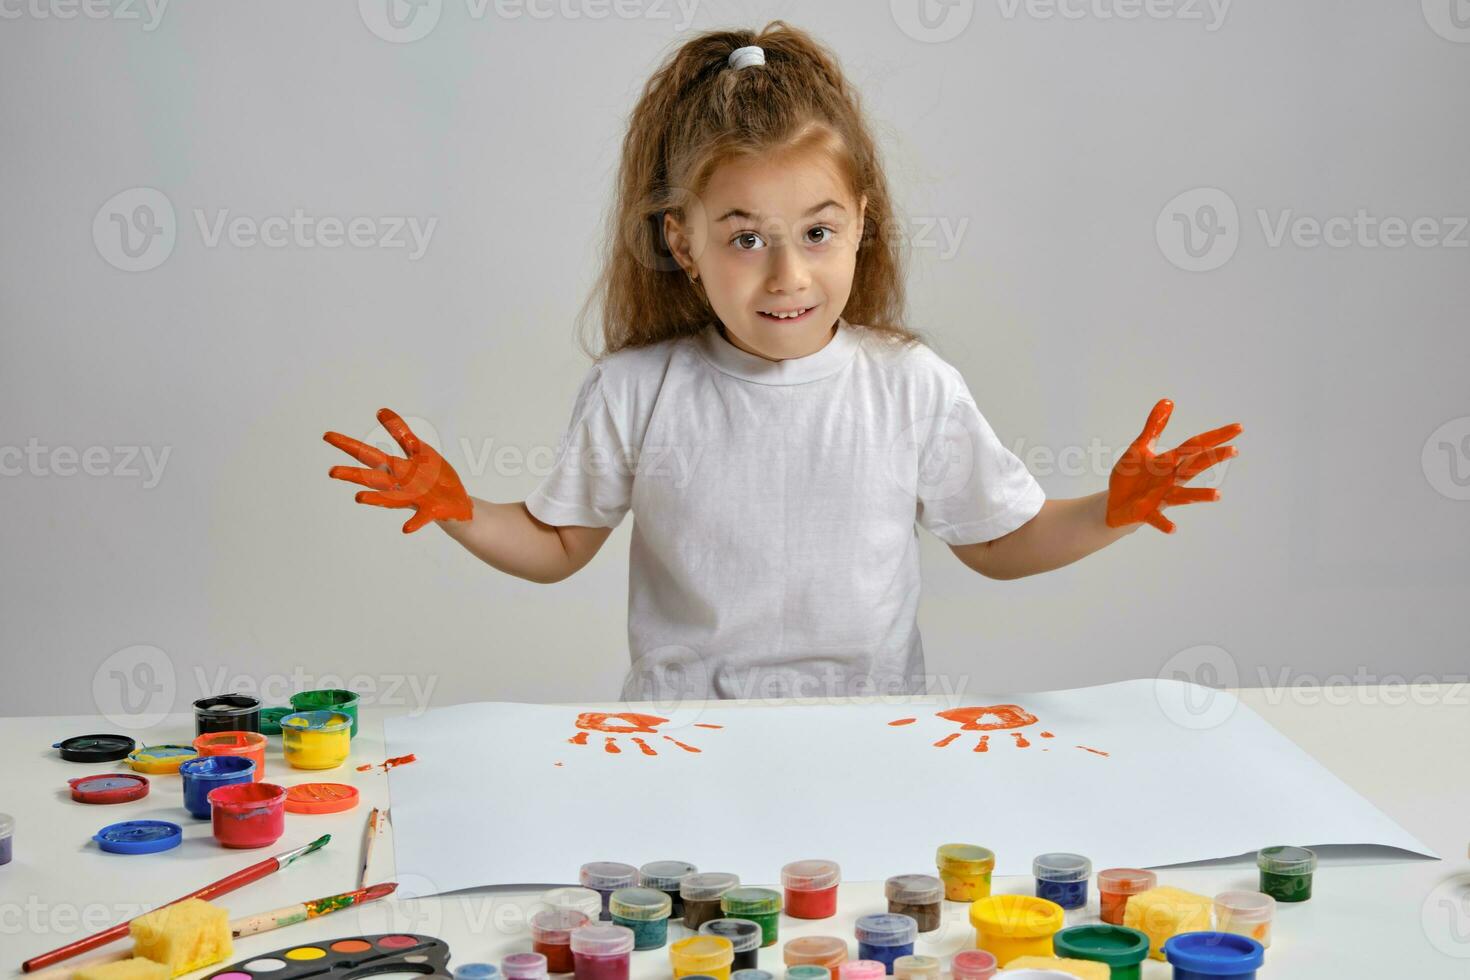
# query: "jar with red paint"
{"points": [[602, 951], [551, 936], [248, 814], [811, 888]]}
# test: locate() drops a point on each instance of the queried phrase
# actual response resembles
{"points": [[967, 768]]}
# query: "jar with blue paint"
{"points": [[1213, 956], [1062, 878], [885, 936], [646, 912], [200, 776]]}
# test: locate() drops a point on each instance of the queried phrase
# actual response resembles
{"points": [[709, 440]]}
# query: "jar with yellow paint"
{"points": [[707, 955], [1008, 926], [316, 739], [965, 870]]}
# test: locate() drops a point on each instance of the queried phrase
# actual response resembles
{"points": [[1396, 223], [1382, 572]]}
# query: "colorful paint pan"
{"points": [[108, 788], [139, 836], [160, 759], [95, 748], [320, 798], [316, 739], [349, 956]]}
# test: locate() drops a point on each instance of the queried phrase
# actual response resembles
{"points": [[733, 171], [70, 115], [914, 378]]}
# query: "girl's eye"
{"points": [[827, 237], [755, 240], [742, 237]]}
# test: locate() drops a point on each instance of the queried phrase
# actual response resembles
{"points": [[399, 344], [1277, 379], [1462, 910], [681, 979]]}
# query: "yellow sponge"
{"points": [[1164, 912], [1086, 969], [183, 936], [136, 968]]}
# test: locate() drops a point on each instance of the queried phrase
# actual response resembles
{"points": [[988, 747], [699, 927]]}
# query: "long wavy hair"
{"points": [[696, 112]]}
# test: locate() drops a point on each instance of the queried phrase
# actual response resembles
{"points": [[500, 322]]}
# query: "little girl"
{"points": [[759, 405]]}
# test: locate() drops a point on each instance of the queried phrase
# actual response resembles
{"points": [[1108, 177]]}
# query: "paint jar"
{"points": [[331, 699], [811, 888], [200, 776], [248, 814], [1114, 885], [606, 877], [1286, 872], [916, 967], [828, 951], [551, 936], [1029, 974], [1062, 878], [862, 970], [1246, 914], [701, 895], [809, 971], [885, 936], [760, 905], [753, 974], [476, 971], [710, 956], [602, 952], [227, 713], [1213, 956], [1122, 949], [667, 876], [917, 896], [972, 964], [316, 739], [583, 900], [246, 745], [7, 837], [1008, 926], [744, 936], [160, 759], [965, 870], [646, 912], [524, 966]]}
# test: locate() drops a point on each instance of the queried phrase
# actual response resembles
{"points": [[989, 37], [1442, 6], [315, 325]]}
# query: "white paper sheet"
{"points": [[1138, 774]]}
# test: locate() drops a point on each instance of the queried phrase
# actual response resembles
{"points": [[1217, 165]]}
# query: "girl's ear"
{"points": [[678, 243], [862, 221]]}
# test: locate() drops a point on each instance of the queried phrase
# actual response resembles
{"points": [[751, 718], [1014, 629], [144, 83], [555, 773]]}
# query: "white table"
{"points": [[1372, 914]]}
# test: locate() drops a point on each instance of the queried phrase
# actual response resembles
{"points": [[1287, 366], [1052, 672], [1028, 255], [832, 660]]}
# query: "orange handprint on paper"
{"points": [[990, 718], [628, 723]]}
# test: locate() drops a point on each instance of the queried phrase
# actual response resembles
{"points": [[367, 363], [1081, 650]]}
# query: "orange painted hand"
{"points": [[423, 481], [1143, 482]]}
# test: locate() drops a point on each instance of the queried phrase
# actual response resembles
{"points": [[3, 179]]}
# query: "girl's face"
{"points": [[773, 237]]}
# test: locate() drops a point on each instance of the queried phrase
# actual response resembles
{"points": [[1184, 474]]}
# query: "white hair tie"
{"points": [[744, 57]]}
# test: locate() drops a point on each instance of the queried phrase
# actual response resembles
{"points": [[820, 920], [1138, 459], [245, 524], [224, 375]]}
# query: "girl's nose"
{"points": [[788, 272]]}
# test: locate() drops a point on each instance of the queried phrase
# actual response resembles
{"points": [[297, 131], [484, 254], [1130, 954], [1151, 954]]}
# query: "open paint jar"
{"points": [[316, 739], [645, 911], [667, 876], [1286, 872], [227, 713], [965, 870], [760, 905], [811, 888], [916, 967], [885, 936], [200, 776], [1122, 949], [248, 814], [245, 745], [551, 936], [1008, 926], [917, 896], [332, 699], [744, 936], [710, 956], [157, 759], [809, 971], [583, 900], [972, 964], [1246, 914], [701, 895], [606, 877], [602, 952], [862, 970], [1062, 878], [524, 966], [1114, 885], [1213, 956], [828, 951]]}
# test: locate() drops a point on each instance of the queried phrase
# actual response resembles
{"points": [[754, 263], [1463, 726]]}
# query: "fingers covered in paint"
{"points": [[422, 479], [1144, 481]]}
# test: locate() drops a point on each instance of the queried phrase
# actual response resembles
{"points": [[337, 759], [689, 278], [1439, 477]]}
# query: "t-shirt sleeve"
{"points": [[971, 488], [591, 482]]}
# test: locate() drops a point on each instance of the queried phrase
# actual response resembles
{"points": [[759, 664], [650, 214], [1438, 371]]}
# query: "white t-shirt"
{"points": [[775, 507]]}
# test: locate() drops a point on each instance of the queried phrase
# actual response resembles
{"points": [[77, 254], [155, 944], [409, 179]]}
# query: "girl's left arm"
{"points": [[1060, 533]]}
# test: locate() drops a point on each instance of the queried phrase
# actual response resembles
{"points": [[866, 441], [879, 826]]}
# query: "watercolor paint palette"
{"points": [[347, 958]]}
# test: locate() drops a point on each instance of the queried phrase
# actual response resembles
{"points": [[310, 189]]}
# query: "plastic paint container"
{"points": [[885, 936], [476, 971], [606, 877], [917, 968], [200, 776], [227, 713], [811, 888], [95, 748], [827, 951], [7, 837], [601, 951], [1286, 872], [701, 896], [744, 936], [139, 837], [1008, 926], [524, 966], [105, 788], [1213, 955], [666, 876], [710, 956], [809, 971], [321, 798], [862, 970], [248, 814], [646, 912], [270, 724], [331, 699], [551, 936], [1062, 878], [1114, 885], [965, 870], [160, 759], [583, 900], [972, 964], [248, 745], [917, 896], [1122, 949], [752, 975], [1037, 975], [316, 739], [1246, 914], [760, 905]]}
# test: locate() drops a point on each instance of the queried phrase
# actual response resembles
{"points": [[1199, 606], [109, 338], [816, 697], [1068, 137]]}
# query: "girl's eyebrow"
{"points": [[738, 213]]}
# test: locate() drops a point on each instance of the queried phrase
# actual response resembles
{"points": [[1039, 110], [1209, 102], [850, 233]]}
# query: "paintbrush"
{"points": [[367, 846]]}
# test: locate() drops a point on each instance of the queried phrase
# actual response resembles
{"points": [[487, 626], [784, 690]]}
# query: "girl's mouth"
{"points": [[796, 315]]}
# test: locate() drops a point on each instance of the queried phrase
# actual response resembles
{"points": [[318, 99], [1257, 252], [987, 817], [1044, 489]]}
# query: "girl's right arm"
{"points": [[507, 537]]}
